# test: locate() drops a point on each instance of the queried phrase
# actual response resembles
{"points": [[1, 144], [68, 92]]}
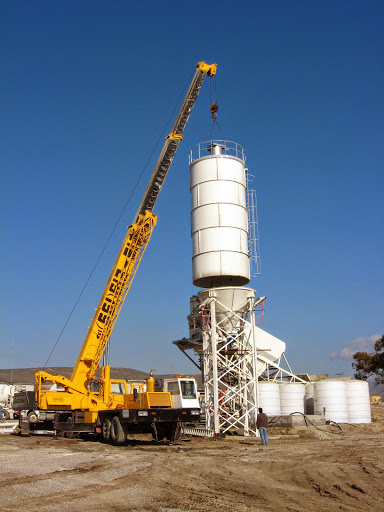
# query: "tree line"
{"points": [[370, 364]]}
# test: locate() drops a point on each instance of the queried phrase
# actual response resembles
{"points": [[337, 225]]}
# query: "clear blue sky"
{"points": [[86, 89]]}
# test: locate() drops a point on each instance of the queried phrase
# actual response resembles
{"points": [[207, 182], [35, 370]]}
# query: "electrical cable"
{"points": [[119, 217]]}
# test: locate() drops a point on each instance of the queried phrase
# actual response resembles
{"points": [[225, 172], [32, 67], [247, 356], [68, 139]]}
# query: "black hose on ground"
{"points": [[307, 420]]}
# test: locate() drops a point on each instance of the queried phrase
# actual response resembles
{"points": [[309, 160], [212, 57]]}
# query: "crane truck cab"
{"points": [[183, 392]]}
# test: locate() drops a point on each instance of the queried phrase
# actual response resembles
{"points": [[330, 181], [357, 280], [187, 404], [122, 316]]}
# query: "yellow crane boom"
{"points": [[112, 300], [125, 267]]}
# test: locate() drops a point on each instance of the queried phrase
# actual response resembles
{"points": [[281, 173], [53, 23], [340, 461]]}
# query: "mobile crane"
{"points": [[85, 402]]}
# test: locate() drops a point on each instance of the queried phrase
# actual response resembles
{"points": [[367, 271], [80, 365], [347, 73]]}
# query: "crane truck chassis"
{"points": [[113, 426]]}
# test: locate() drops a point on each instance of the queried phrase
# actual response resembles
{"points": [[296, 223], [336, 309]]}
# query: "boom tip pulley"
{"points": [[210, 69]]}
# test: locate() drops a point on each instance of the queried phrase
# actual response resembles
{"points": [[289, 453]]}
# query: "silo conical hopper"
{"points": [[230, 302]]}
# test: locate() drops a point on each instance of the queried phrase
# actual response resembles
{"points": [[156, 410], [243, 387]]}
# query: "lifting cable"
{"points": [[161, 136], [218, 127], [214, 107], [213, 94]]}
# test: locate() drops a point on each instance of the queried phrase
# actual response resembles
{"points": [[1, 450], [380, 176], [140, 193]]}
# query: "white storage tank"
{"points": [[269, 398], [330, 398], [292, 398], [358, 402], [309, 399], [219, 221]]}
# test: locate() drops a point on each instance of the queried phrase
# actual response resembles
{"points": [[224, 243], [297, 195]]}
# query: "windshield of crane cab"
{"points": [[188, 389]]}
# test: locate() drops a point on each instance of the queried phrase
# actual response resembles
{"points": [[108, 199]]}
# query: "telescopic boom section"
{"points": [[134, 245], [173, 140], [119, 282]]}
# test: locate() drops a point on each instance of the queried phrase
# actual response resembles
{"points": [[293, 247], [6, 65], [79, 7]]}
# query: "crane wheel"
{"points": [[106, 430], [117, 432]]}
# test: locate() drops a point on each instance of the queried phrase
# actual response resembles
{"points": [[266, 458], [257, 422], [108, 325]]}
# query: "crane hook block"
{"points": [[210, 69], [214, 108]]}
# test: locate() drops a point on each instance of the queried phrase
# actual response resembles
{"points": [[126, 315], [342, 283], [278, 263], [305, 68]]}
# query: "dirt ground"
{"points": [[302, 469]]}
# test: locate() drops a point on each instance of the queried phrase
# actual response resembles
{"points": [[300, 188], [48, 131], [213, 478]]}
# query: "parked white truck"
{"points": [[7, 393]]}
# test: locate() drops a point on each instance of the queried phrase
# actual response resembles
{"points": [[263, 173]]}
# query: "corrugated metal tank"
{"points": [[358, 402], [269, 398], [219, 221], [292, 398], [330, 398]]}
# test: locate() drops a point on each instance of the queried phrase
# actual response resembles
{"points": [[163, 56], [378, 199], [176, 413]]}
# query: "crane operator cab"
{"points": [[183, 392]]}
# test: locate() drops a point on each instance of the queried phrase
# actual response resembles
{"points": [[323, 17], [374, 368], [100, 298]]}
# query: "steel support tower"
{"points": [[229, 365]]}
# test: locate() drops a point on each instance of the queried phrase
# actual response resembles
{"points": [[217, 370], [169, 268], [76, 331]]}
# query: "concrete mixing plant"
{"points": [[243, 366], [233, 352]]}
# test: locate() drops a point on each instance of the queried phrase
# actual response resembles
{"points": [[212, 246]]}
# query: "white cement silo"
{"points": [[292, 398], [269, 398], [358, 401], [219, 221], [330, 399]]}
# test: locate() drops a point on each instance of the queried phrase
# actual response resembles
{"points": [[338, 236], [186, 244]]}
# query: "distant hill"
{"points": [[27, 375]]}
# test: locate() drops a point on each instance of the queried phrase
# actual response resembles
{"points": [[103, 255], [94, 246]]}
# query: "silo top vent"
{"points": [[215, 149]]}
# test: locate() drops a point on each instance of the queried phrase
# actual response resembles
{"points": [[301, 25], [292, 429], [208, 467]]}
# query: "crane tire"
{"points": [[106, 430], [117, 432]]}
